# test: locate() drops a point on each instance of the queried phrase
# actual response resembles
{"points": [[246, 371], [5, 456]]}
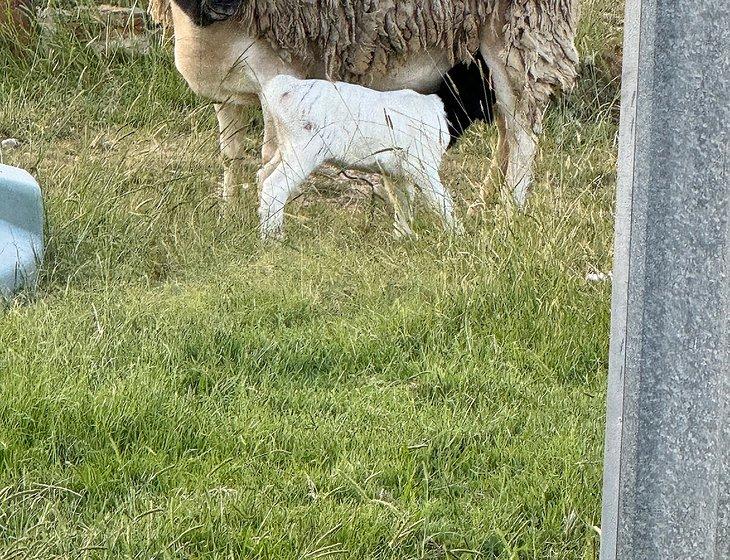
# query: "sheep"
{"points": [[402, 134], [226, 50]]}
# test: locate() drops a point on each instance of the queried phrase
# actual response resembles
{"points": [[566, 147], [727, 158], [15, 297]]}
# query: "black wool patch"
{"points": [[205, 12], [467, 94]]}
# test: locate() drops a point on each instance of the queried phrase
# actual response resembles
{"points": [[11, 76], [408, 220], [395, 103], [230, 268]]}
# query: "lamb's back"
{"points": [[361, 120]]}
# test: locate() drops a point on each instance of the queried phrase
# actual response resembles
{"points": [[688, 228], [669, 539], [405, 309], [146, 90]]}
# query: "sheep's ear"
{"points": [[218, 10]]}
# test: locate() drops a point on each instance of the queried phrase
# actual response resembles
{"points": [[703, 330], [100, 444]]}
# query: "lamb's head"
{"points": [[205, 12]]}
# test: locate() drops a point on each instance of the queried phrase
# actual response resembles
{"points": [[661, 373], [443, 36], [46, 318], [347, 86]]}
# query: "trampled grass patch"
{"points": [[177, 390]]}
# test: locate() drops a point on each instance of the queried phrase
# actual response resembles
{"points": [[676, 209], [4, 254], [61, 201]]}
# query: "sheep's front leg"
{"points": [[233, 124]]}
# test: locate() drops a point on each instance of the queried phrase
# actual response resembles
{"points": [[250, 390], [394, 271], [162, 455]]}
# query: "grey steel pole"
{"points": [[666, 487]]}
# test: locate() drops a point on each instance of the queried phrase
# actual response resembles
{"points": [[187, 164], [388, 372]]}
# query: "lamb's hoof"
{"points": [[457, 228], [271, 238], [271, 234]]}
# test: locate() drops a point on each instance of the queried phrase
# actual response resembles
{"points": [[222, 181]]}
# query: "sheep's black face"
{"points": [[205, 12]]}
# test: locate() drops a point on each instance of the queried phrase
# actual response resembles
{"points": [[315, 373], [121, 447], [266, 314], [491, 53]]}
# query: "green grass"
{"points": [[176, 390]]}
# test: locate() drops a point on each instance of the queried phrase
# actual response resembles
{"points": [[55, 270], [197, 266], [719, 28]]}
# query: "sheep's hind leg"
{"points": [[522, 150], [517, 145], [233, 127], [497, 168]]}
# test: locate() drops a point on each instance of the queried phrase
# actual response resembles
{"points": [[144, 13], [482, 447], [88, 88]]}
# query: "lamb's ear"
{"points": [[218, 10]]}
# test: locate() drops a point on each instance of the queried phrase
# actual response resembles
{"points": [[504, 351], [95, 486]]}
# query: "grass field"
{"points": [[176, 390]]}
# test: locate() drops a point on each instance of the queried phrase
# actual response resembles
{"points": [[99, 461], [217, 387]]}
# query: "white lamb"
{"points": [[402, 134]]}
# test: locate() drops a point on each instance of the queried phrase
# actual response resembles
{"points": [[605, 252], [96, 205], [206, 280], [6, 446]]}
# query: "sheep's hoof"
{"points": [[226, 207], [270, 239], [520, 194]]}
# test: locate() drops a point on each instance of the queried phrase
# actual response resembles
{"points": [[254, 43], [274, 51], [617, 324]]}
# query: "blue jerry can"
{"points": [[21, 230]]}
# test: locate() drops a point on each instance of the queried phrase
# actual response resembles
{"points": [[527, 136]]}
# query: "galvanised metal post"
{"points": [[666, 488]]}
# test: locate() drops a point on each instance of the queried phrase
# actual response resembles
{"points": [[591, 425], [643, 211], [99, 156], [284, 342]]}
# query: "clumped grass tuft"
{"points": [[176, 390]]}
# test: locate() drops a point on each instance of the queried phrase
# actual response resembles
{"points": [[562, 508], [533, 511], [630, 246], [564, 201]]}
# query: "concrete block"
{"points": [[21, 230]]}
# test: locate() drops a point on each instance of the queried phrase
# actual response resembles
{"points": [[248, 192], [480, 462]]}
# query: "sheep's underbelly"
{"points": [[421, 72], [387, 161]]}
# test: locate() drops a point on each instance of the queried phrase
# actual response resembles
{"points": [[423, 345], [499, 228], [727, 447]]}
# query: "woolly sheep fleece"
{"points": [[359, 39]]}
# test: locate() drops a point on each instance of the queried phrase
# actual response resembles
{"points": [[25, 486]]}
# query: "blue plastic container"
{"points": [[21, 230]]}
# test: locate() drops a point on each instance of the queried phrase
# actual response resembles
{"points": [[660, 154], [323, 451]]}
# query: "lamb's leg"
{"points": [[268, 167], [281, 184], [517, 144], [439, 199], [403, 210], [400, 198], [269, 148], [233, 127]]}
